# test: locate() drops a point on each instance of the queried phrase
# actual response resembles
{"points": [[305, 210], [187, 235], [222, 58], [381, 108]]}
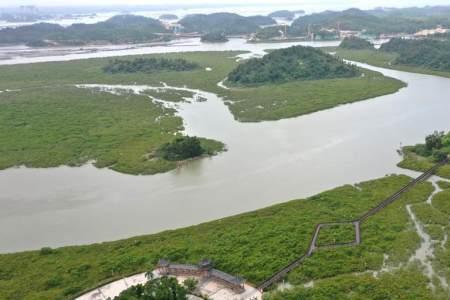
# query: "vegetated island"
{"points": [[421, 156], [118, 29], [356, 43], [426, 56], [258, 243], [227, 23], [214, 37], [123, 131]]}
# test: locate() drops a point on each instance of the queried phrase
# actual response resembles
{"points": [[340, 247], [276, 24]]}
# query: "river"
{"points": [[267, 163]]}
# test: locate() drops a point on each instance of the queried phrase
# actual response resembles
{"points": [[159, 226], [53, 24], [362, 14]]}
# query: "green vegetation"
{"points": [[426, 53], [355, 43], [253, 244], [406, 283], [278, 101], [214, 37], [149, 65], [226, 23], [42, 128], [181, 148], [267, 102], [336, 234], [444, 184], [291, 64], [118, 29], [164, 288], [268, 33], [422, 156], [169, 94]]}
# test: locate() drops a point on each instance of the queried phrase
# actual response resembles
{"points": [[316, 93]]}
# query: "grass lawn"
{"points": [[252, 245]]}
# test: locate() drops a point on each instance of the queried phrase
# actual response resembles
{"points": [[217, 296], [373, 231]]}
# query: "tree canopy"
{"points": [[149, 65], [227, 23], [356, 43], [426, 53], [163, 288], [436, 146], [181, 148], [294, 63]]}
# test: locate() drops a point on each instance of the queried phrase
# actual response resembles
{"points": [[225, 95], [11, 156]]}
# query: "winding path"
{"points": [[357, 223]]}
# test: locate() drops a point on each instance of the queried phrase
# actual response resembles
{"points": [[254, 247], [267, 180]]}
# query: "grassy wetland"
{"points": [[42, 112], [253, 245]]}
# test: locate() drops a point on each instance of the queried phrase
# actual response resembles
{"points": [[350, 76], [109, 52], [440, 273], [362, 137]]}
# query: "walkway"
{"points": [[357, 223]]}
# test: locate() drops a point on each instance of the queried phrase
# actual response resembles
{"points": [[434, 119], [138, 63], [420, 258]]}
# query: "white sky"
{"points": [[327, 3]]}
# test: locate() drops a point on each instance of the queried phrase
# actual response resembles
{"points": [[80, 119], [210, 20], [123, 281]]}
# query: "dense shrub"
{"points": [[181, 148], [164, 288], [214, 37], [355, 43], [149, 65], [426, 53]]}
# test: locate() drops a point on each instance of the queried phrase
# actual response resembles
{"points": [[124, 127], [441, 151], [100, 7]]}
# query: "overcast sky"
{"points": [[329, 3]]}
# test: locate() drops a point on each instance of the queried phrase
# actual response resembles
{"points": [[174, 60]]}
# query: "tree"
{"points": [[163, 288], [434, 141], [181, 148], [190, 284]]}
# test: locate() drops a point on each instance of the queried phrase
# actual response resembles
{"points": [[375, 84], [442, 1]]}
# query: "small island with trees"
{"points": [[214, 37], [356, 43], [291, 64], [168, 17]]}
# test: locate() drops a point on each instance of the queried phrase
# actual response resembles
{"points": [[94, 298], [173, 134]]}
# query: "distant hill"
{"points": [[294, 63], [412, 12], [356, 43], [227, 23], [368, 21], [118, 29], [284, 14]]}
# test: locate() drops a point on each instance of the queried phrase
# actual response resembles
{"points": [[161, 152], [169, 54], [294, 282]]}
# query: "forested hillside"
{"points": [[227, 23], [294, 63], [118, 29], [427, 53]]}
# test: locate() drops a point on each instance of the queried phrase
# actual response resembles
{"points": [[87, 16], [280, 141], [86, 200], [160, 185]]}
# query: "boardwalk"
{"points": [[276, 277]]}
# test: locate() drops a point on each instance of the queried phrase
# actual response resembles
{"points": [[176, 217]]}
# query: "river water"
{"points": [[267, 163]]}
